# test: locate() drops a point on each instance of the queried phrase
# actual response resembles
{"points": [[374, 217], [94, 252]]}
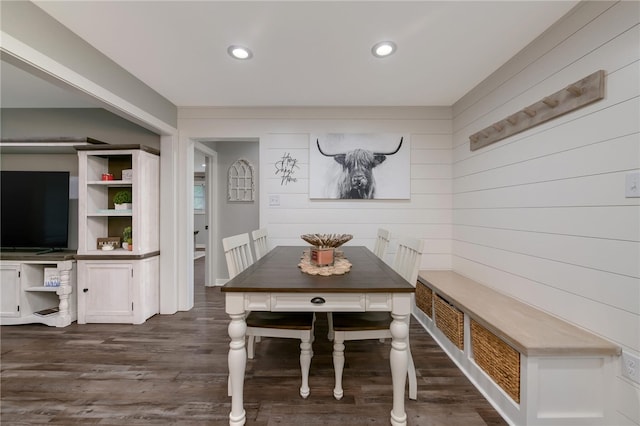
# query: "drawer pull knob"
{"points": [[317, 301]]}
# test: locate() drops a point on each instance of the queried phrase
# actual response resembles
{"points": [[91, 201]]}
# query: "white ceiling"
{"points": [[306, 53]]}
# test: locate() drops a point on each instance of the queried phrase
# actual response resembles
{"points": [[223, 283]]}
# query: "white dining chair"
{"points": [[375, 325], [290, 325], [382, 242], [379, 249], [260, 243]]}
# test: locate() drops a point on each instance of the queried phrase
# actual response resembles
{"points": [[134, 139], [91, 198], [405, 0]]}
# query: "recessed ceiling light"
{"points": [[383, 49], [239, 52]]}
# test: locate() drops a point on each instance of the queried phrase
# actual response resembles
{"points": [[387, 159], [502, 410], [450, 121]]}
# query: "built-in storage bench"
{"points": [[536, 369]]}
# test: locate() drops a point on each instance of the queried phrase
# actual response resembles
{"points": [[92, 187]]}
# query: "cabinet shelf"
{"points": [[97, 217], [111, 183], [42, 288], [51, 315], [111, 212], [107, 253]]}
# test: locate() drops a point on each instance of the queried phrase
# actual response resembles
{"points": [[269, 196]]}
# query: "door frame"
{"points": [[211, 216]]}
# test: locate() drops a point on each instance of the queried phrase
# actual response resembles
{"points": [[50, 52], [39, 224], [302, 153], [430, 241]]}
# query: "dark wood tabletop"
{"points": [[278, 271]]}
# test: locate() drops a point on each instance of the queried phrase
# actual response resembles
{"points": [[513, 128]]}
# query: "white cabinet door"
{"points": [[9, 290], [106, 293]]}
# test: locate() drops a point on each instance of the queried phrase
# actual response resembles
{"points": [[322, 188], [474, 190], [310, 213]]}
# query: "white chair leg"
{"points": [[305, 364], [258, 339], [338, 364], [250, 345], [411, 371], [330, 323]]}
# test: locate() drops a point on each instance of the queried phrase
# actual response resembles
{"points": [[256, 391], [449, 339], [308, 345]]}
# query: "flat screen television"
{"points": [[34, 210]]}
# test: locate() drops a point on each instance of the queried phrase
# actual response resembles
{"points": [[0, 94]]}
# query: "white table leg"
{"points": [[338, 363], [399, 365], [237, 365], [305, 364]]}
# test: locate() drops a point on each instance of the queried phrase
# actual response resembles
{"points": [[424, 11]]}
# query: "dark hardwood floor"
{"points": [[173, 370]]}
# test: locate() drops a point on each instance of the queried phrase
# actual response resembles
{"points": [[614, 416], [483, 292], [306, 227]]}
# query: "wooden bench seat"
{"points": [[529, 330], [559, 373]]}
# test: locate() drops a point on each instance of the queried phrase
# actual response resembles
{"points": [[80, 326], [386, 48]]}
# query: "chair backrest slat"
{"points": [[407, 259], [238, 253], [380, 248], [260, 243]]}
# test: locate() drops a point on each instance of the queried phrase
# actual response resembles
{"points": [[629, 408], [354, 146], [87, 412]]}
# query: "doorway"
{"points": [[205, 230], [232, 216]]}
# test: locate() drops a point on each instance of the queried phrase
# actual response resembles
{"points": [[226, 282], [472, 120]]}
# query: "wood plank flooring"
{"points": [[172, 370]]}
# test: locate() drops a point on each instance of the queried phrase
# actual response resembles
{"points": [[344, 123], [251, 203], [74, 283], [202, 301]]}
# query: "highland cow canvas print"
{"points": [[359, 166]]}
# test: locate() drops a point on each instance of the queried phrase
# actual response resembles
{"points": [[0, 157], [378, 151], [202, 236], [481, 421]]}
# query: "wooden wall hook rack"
{"points": [[570, 98]]}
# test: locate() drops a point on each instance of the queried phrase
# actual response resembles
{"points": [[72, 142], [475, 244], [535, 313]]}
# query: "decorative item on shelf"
{"points": [[51, 277], [107, 176], [126, 238], [108, 243], [324, 245], [122, 200], [127, 174]]}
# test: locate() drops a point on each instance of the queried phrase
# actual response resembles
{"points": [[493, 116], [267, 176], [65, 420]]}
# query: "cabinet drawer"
{"points": [[346, 302]]}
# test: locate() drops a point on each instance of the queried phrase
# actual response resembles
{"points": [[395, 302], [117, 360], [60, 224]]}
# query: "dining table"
{"points": [[276, 283]]}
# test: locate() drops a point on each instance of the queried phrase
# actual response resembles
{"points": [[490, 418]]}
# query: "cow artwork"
{"points": [[364, 167], [357, 180]]}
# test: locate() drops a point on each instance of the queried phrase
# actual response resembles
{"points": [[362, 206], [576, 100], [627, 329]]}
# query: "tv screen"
{"points": [[34, 209]]}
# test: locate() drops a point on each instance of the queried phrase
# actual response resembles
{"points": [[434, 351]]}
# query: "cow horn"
{"points": [[391, 153], [376, 153], [320, 149]]}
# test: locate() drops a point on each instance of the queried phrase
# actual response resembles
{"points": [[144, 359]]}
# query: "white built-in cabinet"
{"points": [[10, 282], [119, 291], [120, 285], [24, 297]]}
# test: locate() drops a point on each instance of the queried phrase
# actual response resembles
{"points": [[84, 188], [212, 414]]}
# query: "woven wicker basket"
{"points": [[424, 299], [499, 360], [450, 321]]}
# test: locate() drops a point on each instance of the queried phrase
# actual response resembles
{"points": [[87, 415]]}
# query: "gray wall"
{"points": [[235, 218], [94, 123]]}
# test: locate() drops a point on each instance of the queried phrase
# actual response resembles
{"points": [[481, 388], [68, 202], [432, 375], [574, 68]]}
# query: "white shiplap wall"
{"points": [[426, 215], [542, 215]]}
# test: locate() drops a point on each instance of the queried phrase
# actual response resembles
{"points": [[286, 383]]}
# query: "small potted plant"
{"points": [[126, 238], [122, 200]]}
